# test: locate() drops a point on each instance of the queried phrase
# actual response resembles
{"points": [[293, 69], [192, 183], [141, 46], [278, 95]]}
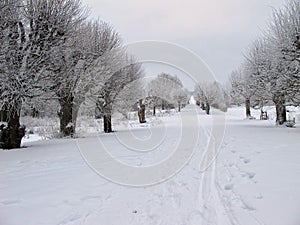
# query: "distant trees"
{"points": [[180, 97], [109, 93], [166, 89], [272, 63], [208, 95]]}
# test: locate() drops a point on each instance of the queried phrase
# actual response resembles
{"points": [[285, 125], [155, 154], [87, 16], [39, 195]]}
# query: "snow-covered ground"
{"points": [[254, 180]]}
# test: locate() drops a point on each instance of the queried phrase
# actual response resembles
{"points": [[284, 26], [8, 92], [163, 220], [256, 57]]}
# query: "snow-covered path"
{"points": [[259, 170], [254, 180]]}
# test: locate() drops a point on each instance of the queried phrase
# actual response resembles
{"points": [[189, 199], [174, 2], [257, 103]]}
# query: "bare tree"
{"points": [[210, 94], [180, 96], [29, 31], [127, 98], [84, 63], [242, 88], [166, 89], [285, 40], [109, 93], [272, 64]]}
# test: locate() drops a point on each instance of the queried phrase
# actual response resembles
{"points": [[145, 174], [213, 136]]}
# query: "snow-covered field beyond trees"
{"points": [[254, 180]]}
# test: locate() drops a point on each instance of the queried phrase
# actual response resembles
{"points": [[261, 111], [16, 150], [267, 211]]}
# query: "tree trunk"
{"points": [[34, 112], [279, 100], [75, 111], [247, 105], [179, 107], [207, 108], [67, 127], [202, 106], [11, 136], [154, 110], [141, 113], [107, 123], [163, 104], [4, 114]]}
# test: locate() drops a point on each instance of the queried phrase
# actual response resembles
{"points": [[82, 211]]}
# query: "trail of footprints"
{"points": [[233, 170]]}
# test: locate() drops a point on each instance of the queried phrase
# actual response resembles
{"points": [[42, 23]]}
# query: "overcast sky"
{"points": [[219, 31]]}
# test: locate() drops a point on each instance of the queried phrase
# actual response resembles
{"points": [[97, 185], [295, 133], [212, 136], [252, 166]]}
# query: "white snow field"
{"points": [[255, 179]]}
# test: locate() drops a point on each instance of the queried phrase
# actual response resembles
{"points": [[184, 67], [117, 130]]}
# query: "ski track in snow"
{"points": [[48, 183]]}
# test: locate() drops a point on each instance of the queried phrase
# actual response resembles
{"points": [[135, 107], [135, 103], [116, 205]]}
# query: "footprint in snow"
{"points": [[248, 206], [248, 175], [230, 164], [10, 202], [70, 219], [251, 175], [228, 187], [259, 196], [246, 161]]}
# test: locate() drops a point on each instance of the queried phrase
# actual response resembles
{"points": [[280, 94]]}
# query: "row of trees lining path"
{"points": [[50, 50], [270, 72], [136, 94]]}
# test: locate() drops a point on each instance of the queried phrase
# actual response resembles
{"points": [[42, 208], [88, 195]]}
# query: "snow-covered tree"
{"points": [[243, 88], [285, 38], [273, 61], [285, 52], [166, 89], [127, 98], [84, 63], [180, 96], [30, 29], [109, 93], [210, 94], [153, 89]]}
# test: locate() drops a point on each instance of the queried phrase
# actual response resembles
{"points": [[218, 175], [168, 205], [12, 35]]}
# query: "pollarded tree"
{"points": [[109, 93], [153, 90], [86, 61], [128, 97], [242, 87], [266, 74], [168, 84], [29, 32], [180, 96], [165, 88], [275, 61], [285, 39]]}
